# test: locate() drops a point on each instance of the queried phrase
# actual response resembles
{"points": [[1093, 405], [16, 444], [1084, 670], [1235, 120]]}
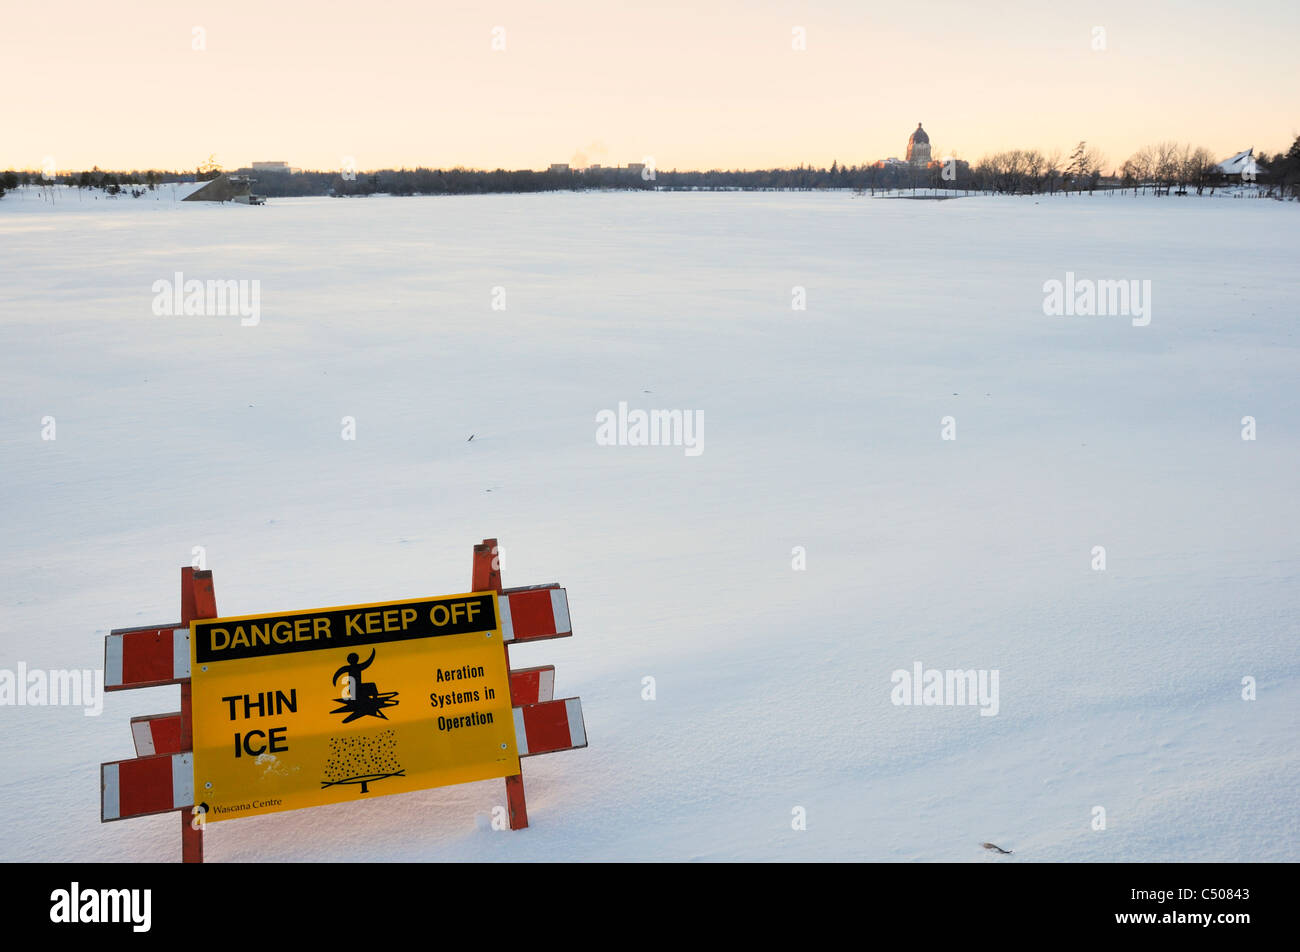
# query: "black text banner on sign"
{"points": [[250, 636]]}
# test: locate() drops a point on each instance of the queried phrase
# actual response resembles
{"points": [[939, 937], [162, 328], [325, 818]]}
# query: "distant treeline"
{"points": [[112, 182], [1160, 168]]}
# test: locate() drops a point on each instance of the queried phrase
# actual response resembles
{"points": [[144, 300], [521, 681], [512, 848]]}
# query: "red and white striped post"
{"points": [[487, 578], [160, 779], [543, 725], [198, 600]]}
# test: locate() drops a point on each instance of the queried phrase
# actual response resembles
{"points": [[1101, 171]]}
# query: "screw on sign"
{"points": [[303, 708]]}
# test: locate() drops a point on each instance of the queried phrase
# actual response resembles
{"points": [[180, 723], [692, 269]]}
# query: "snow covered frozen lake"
{"points": [[823, 430]]}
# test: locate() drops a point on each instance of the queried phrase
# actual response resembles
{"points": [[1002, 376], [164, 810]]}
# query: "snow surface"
{"points": [[1119, 689]]}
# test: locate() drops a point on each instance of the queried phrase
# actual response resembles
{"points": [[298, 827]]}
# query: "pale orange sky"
{"points": [[713, 85]]}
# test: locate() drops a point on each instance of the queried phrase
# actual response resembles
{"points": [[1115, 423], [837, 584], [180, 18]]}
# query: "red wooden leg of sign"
{"points": [[191, 839], [487, 578], [518, 805], [198, 600], [487, 575]]}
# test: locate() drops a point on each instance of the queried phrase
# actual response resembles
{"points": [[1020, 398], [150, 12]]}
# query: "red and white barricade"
{"points": [[160, 778]]}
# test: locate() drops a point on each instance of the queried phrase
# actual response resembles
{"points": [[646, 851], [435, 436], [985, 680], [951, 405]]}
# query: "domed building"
{"points": [[918, 147], [919, 155]]}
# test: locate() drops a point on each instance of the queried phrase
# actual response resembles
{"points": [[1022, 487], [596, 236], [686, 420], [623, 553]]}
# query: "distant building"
{"points": [[271, 167], [918, 147], [1241, 165], [918, 153], [632, 168], [226, 188]]}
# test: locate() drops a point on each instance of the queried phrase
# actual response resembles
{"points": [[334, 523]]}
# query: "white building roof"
{"points": [[1242, 162]]}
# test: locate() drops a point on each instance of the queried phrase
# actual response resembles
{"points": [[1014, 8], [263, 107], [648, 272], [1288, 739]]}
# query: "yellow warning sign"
{"points": [[334, 705]]}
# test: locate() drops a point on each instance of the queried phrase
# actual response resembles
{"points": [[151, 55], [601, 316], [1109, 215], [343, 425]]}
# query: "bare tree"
{"points": [[1144, 165], [1198, 164], [1166, 163], [1094, 166], [1053, 169], [1034, 166]]}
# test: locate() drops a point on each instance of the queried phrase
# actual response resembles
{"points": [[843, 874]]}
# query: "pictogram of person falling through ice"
{"points": [[360, 756], [360, 698]]}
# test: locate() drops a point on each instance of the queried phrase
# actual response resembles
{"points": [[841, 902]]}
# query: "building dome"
{"points": [[918, 147]]}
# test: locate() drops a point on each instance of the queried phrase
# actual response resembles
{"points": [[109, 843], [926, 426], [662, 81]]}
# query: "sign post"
{"points": [[543, 725], [159, 779], [303, 708], [198, 599]]}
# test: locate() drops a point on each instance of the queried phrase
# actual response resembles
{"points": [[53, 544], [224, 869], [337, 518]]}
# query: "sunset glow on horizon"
{"points": [[517, 85]]}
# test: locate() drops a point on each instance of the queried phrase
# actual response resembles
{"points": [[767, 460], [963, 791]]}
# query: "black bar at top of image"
{"points": [[262, 635]]}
